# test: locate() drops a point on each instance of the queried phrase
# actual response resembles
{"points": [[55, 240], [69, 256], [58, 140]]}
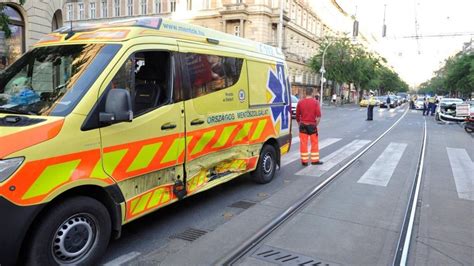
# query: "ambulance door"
{"points": [[216, 135], [146, 155]]}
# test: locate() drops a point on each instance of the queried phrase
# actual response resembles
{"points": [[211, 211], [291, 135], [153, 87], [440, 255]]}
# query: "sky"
{"points": [[413, 59]]}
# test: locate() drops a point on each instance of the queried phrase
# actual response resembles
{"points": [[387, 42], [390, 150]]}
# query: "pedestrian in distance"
{"points": [[370, 107], [388, 101], [334, 99], [308, 116], [342, 99], [431, 105], [426, 105]]}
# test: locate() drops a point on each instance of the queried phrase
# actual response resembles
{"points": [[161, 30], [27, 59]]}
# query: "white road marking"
{"points": [[123, 259], [401, 111], [463, 172], [392, 110], [414, 111], [295, 153], [362, 109], [382, 169], [334, 158], [382, 110]]}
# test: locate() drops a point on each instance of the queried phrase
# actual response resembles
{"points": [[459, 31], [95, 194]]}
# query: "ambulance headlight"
{"points": [[9, 166]]}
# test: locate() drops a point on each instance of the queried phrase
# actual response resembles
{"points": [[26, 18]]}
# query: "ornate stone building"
{"points": [[253, 19], [28, 23]]}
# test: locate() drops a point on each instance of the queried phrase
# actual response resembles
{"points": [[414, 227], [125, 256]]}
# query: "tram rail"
{"points": [[403, 244]]}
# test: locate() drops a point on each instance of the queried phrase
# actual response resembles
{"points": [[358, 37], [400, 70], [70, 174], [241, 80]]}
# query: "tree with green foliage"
{"points": [[346, 62], [4, 20], [454, 78]]}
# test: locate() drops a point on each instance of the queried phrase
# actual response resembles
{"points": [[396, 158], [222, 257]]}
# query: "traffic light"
{"points": [[355, 29]]}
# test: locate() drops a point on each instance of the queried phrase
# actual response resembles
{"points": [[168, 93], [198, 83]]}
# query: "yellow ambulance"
{"points": [[104, 123]]}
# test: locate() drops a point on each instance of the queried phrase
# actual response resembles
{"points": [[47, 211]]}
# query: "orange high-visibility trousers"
{"points": [[305, 154]]}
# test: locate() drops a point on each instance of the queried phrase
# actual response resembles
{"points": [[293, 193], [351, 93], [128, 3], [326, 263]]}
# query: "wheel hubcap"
{"points": [[74, 239], [267, 164]]}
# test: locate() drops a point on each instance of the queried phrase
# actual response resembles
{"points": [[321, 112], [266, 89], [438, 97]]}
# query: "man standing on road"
{"points": [[388, 102], [431, 105], [308, 115], [334, 99], [370, 107]]}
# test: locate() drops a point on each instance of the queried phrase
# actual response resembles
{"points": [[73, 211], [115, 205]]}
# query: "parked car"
{"points": [[364, 102], [419, 103], [446, 110], [393, 101], [294, 102]]}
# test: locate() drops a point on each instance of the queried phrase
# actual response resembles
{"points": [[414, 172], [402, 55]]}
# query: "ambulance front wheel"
{"points": [[266, 165], [77, 231]]}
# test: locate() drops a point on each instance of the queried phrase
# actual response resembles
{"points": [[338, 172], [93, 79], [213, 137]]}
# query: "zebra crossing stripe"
{"points": [[295, 154], [463, 169], [382, 169], [334, 158]]}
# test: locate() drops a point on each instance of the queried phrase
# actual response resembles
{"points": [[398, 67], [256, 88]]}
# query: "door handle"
{"points": [[168, 126], [196, 122]]}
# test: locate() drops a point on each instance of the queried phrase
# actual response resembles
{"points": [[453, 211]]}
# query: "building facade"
{"points": [[28, 24], [253, 19]]}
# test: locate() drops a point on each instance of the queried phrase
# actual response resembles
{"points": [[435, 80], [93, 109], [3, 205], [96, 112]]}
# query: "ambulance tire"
{"points": [[75, 232], [266, 166]]}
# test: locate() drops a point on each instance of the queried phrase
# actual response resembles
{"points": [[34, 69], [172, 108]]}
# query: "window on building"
{"points": [[239, 1], [143, 7], [158, 6], [92, 10], [16, 42], [206, 4], [172, 5], [304, 20], [81, 11], [104, 13], [129, 7], [189, 5], [293, 13], [237, 30], [210, 73], [146, 75], [69, 12], [117, 8]]}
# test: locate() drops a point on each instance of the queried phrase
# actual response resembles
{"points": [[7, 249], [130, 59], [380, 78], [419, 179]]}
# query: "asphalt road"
{"points": [[356, 220]]}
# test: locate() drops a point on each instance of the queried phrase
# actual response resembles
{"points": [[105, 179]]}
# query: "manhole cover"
{"points": [[189, 234], [285, 257], [242, 204]]}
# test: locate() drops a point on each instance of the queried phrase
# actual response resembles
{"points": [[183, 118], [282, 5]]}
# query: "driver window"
{"points": [[146, 75]]}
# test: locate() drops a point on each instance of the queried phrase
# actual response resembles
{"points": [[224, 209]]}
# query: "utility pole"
{"points": [[322, 70]]}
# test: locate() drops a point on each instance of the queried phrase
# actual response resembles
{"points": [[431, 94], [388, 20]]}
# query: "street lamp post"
{"points": [[322, 71]]}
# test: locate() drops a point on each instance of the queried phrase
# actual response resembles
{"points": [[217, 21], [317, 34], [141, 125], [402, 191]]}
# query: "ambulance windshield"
{"points": [[51, 80]]}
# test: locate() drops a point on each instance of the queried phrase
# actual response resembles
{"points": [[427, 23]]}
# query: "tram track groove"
{"points": [[245, 247], [404, 240]]}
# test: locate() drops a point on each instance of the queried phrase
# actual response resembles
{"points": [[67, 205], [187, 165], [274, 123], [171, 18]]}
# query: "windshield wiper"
{"points": [[13, 111]]}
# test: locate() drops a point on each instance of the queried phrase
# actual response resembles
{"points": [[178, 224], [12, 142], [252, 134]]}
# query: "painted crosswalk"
{"points": [[463, 172], [334, 158], [382, 169], [295, 154]]}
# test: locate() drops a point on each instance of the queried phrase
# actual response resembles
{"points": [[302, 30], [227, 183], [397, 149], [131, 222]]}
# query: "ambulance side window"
{"points": [[146, 75], [210, 73]]}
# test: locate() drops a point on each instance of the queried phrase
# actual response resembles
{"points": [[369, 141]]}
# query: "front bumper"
{"points": [[451, 118], [14, 223]]}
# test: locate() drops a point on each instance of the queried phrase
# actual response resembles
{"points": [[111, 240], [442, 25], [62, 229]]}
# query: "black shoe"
{"points": [[317, 163], [304, 164]]}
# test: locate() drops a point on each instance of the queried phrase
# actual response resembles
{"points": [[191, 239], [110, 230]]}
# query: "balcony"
{"points": [[234, 9]]}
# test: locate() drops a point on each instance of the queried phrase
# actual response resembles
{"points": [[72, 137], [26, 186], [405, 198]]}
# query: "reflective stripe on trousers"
{"points": [[305, 154]]}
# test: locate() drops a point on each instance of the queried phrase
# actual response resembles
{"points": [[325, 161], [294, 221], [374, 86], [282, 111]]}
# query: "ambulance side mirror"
{"points": [[118, 107]]}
